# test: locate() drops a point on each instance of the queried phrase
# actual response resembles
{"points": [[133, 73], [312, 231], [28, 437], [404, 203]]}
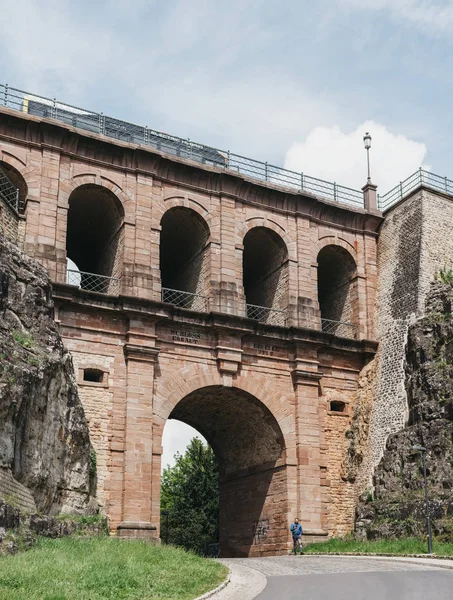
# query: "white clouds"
{"points": [[436, 15], [176, 438], [329, 153]]}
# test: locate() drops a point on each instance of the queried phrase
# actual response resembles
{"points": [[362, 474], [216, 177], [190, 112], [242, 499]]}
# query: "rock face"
{"points": [[44, 439], [398, 507]]}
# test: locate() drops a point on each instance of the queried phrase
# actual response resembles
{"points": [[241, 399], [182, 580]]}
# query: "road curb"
{"points": [[437, 561], [218, 589]]}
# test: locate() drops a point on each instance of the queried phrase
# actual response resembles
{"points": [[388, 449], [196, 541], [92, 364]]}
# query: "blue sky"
{"points": [[293, 82]]}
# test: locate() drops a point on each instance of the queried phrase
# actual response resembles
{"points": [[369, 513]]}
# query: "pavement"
{"points": [[311, 577]]}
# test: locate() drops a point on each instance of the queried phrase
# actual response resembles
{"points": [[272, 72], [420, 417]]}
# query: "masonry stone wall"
{"points": [[163, 362]]}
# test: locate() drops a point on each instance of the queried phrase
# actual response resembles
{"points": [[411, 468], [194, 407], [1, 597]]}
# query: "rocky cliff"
{"points": [[396, 506], [44, 440]]}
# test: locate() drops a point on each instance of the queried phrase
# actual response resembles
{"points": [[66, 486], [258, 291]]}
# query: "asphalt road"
{"points": [[400, 585], [351, 578]]}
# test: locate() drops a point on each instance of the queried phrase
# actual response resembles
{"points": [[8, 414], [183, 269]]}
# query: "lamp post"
{"points": [[367, 143], [422, 451]]}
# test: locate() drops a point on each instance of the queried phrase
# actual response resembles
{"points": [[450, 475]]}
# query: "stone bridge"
{"points": [[234, 305]]}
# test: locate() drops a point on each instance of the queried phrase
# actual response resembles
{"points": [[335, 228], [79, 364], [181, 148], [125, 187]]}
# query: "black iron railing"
{"points": [[414, 181], [271, 316], [128, 132], [185, 299], [340, 328], [93, 282], [8, 191]]}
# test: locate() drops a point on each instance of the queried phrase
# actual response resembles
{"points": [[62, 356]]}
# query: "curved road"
{"points": [[352, 578]]}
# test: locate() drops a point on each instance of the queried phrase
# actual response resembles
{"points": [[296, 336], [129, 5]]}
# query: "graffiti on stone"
{"points": [[260, 529]]}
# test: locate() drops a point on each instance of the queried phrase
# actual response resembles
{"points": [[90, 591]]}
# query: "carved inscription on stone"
{"points": [[183, 335], [266, 349]]}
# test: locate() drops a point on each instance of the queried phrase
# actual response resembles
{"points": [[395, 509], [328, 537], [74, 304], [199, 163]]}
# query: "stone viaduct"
{"points": [[234, 305]]}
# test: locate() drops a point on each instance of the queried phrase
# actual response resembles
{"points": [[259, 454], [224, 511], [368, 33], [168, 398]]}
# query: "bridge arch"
{"points": [[249, 445], [337, 289], [185, 257], [17, 176], [265, 272], [95, 237]]}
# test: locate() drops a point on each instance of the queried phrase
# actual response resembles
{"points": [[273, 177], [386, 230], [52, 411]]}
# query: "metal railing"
{"points": [[128, 132], [94, 282], [8, 191], [270, 316], [340, 328], [414, 181], [185, 299]]}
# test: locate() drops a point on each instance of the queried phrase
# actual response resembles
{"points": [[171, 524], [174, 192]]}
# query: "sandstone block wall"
{"points": [[155, 358]]}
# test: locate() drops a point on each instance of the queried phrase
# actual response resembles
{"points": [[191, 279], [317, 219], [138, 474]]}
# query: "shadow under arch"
{"points": [[249, 447], [265, 272], [17, 180], [184, 255], [337, 288], [95, 232]]}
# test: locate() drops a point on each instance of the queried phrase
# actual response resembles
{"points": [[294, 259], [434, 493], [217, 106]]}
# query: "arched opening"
{"points": [[15, 179], [250, 452], [95, 239], [265, 276], [184, 259], [337, 291]]}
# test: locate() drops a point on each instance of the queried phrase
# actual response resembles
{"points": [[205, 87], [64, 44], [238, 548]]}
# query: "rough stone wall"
{"points": [[44, 439], [398, 505], [399, 256], [415, 242]]}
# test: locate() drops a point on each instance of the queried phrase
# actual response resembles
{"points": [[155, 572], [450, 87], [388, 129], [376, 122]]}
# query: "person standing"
{"points": [[296, 530]]}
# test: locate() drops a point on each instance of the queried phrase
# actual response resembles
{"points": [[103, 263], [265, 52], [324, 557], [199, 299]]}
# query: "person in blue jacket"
{"points": [[296, 530]]}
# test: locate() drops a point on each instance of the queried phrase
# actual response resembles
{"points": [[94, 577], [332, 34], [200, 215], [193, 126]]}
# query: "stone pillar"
{"points": [[369, 197], [226, 275], [306, 378], [141, 354]]}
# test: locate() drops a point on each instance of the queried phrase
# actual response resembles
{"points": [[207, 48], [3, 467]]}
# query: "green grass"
{"points": [[106, 568], [401, 546]]}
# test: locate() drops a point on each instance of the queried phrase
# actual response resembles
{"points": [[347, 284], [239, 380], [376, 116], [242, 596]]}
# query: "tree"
{"points": [[190, 495]]}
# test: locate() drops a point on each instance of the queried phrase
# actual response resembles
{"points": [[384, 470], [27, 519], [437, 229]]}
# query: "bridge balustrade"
{"points": [[271, 316], [185, 299], [93, 282], [340, 328]]}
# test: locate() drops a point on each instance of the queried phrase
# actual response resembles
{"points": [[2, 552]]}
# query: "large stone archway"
{"points": [[250, 449]]}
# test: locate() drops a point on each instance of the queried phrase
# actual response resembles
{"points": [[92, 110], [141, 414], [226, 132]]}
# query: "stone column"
{"points": [[306, 378], [369, 197], [141, 353]]}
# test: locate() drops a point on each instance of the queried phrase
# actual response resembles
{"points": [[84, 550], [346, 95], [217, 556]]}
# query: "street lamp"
{"points": [[422, 451], [367, 143]]}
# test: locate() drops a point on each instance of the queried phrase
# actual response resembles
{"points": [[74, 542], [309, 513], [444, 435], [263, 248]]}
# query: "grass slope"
{"points": [[106, 568], [402, 546]]}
